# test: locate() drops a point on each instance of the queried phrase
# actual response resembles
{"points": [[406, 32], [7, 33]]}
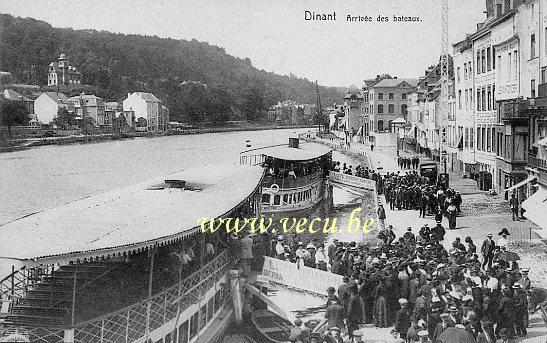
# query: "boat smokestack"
{"points": [[293, 142]]}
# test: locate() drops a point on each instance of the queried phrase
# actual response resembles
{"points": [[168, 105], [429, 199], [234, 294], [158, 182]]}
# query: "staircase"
{"points": [[48, 302]]}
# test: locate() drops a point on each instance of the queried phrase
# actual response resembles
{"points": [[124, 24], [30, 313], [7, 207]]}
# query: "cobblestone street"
{"points": [[481, 214]]}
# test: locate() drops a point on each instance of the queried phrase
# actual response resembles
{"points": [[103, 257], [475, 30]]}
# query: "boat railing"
{"points": [[130, 323], [288, 182], [252, 160], [16, 284]]}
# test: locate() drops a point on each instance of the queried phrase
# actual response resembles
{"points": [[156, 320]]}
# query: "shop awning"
{"points": [[536, 208], [520, 184]]}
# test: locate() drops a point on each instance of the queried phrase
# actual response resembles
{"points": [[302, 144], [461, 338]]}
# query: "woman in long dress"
{"points": [[380, 308]]}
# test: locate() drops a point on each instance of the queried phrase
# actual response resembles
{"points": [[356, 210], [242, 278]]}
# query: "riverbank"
{"points": [[23, 144]]}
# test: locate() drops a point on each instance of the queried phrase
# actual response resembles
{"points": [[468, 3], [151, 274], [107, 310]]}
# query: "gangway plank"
{"points": [[254, 291], [351, 181]]}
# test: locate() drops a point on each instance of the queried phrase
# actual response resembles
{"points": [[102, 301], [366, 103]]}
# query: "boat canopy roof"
{"points": [[305, 152], [130, 219]]}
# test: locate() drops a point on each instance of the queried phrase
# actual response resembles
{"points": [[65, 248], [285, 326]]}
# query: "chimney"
{"points": [[128, 95], [489, 8]]}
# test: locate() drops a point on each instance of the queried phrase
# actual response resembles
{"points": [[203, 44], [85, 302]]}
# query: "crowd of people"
{"points": [[411, 191], [416, 285], [408, 162]]}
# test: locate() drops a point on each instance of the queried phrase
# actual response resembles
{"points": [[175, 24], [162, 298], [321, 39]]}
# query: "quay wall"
{"points": [[362, 156], [21, 144]]}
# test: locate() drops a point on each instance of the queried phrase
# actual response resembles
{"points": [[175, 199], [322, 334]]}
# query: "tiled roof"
{"points": [[10, 94], [149, 97], [90, 99], [59, 98], [390, 83]]}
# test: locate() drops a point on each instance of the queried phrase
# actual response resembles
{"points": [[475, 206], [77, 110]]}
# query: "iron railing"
{"points": [[537, 162], [130, 323]]}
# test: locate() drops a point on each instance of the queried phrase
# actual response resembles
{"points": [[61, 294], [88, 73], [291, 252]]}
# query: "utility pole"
{"points": [[319, 109], [443, 103]]}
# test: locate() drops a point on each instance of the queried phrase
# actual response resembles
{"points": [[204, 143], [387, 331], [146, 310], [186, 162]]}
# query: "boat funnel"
{"points": [[293, 142]]}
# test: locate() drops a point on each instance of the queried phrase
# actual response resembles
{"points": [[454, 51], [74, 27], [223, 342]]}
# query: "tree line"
{"points": [[198, 82]]}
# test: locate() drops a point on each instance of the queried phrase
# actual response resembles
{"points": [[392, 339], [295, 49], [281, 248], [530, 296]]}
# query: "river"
{"points": [[44, 177]]}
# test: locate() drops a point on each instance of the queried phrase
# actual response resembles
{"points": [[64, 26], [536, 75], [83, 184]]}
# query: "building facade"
{"points": [[147, 107], [388, 100], [48, 104], [61, 73], [353, 112], [90, 106]]}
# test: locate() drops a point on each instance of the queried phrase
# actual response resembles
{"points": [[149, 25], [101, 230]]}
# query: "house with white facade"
{"points": [[48, 104], [148, 107], [465, 105]]}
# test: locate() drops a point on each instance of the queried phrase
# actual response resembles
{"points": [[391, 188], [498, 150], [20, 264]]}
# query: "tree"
{"points": [[220, 105], [64, 118], [253, 104], [13, 113]]}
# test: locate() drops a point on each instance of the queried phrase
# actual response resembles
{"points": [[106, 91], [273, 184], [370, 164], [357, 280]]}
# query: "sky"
{"points": [[274, 33]]}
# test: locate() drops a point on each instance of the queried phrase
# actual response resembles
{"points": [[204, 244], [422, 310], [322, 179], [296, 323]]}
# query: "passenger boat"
{"points": [[295, 175], [271, 327], [130, 265]]}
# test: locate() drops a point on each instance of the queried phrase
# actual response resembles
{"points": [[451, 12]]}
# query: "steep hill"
{"points": [[197, 81]]}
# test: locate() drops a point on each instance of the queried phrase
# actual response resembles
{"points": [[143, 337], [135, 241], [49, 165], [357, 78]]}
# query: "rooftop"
{"points": [[10, 94], [149, 97], [59, 98], [128, 219], [305, 151], [390, 83]]}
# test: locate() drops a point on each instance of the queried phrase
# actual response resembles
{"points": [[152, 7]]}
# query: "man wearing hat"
{"points": [[438, 231], [445, 323], [402, 318], [355, 311], [357, 336], [335, 314], [525, 280], [279, 248], [487, 251], [315, 337], [331, 251], [333, 335], [409, 237], [521, 307], [301, 255], [424, 337], [297, 333], [506, 312], [514, 203]]}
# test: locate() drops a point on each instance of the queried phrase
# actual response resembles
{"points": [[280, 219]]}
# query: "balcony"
{"points": [[534, 161], [521, 110]]}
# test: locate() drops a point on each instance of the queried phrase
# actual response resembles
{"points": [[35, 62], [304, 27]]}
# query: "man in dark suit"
{"points": [[487, 251], [355, 311], [402, 319]]}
